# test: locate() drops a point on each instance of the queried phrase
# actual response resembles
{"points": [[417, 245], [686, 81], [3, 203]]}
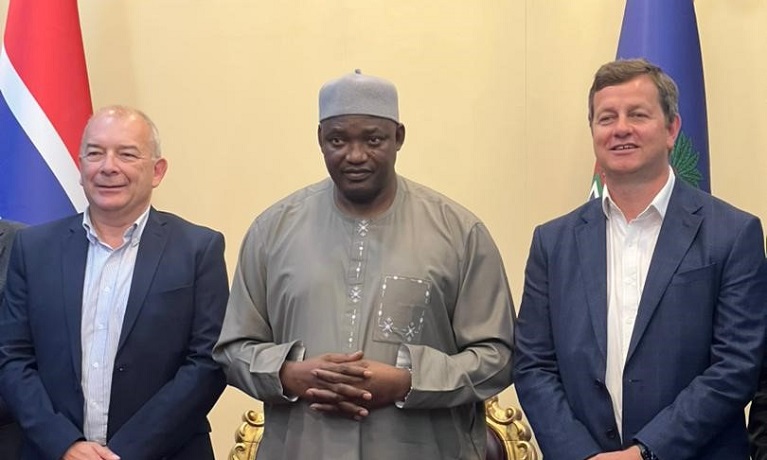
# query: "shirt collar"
{"points": [[132, 233], [659, 203]]}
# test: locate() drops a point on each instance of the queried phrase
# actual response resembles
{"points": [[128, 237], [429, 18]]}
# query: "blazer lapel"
{"points": [[150, 251], [74, 253], [592, 254], [680, 225]]}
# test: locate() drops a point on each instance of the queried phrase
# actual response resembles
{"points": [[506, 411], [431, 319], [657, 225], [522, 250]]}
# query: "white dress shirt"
{"points": [[630, 246], [108, 276]]}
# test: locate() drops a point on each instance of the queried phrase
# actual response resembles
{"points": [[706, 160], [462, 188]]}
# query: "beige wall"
{"points": [[493, 94]]}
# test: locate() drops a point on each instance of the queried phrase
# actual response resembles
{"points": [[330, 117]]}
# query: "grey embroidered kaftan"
{"points": [[423, 278]]}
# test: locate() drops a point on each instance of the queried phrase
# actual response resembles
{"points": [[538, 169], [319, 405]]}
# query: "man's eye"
{"points": [[375, 140], [336, 141], [128, 156], [605, 119], [94, 156]]}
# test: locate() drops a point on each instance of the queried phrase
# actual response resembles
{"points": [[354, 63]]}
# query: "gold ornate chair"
{"points": [[508, 436], [248, 436]]}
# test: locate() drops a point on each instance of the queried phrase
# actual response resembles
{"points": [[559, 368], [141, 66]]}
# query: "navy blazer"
{"points": [[164, 380], [696, 350], [10, 433], [8, 230]]}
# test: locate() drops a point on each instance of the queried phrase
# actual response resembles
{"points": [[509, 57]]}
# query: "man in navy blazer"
{"points": [[642, 324], [109, 317], [8, 229], [10, 433]]}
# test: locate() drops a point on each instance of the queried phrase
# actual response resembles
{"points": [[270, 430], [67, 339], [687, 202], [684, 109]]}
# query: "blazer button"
{"points": [[612, 433]]}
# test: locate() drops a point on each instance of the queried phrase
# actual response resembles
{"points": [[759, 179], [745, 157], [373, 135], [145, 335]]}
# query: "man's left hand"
{"points": [[386, 384]]}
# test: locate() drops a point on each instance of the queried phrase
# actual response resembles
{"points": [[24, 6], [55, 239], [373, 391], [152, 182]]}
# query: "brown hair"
{"points": [[623, 70]]}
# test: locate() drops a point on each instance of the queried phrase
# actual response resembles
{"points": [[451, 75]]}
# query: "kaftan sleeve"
{"points": [[483, 329], [246, 348]]}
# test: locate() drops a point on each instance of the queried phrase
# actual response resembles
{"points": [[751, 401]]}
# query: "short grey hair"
{"points": [[122, 111]]}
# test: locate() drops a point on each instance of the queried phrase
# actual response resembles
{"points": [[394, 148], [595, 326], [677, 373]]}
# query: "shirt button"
{"points": [[95, 365]]}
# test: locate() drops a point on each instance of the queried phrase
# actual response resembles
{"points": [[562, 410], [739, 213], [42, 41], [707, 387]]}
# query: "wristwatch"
{"points": [[646, 453]]}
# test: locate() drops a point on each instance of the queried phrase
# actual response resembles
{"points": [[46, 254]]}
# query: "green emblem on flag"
{"points": [[596, 186], [684, 160]]}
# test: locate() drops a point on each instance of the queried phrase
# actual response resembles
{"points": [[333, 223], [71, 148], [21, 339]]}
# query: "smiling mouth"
{"points": [[109, 187], [622, 147]]}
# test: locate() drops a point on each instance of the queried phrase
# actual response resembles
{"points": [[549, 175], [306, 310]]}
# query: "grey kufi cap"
{"points": [[357, 94]]}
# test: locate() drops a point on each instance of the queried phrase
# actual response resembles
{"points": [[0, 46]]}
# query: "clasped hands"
{"points": [[345, 384], [86, 450]]}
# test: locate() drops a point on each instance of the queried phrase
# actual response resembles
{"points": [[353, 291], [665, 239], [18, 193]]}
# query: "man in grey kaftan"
{"points": [[414, 282]]}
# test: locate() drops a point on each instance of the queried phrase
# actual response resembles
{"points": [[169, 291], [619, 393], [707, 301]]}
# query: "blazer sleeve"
{"points": [[7, 231], [720, 393], [167, 419], [757, 420], [20, 382], [536, 371]]}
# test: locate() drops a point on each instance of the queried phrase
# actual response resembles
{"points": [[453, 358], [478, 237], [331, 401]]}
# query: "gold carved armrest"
{"points": [[506, 423], [248, 436], [508, 426]]}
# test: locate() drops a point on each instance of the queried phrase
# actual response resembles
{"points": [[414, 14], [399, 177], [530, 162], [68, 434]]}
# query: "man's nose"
{"points": [[357, 152], [109, 162], [622, 125]]}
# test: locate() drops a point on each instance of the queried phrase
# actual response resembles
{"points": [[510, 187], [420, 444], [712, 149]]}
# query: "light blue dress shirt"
{"points": [[108, 276]]}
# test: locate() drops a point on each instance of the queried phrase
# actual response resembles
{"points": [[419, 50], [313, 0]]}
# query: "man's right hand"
{"points": [[86, 450], [299, 376], [632, 453]]}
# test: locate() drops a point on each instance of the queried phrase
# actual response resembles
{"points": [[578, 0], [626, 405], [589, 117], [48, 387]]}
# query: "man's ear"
{"points": [[400, 136], [674, 128], [160, 168]]}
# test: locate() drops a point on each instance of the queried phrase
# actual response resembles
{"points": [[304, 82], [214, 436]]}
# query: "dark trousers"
{"points": [[10, 441]]}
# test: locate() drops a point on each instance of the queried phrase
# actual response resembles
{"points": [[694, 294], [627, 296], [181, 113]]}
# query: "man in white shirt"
{"points": [[642, 324]]}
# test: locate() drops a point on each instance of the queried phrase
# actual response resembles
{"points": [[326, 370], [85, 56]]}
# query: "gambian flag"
{"points": [[44, 105], [665, 32]]}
